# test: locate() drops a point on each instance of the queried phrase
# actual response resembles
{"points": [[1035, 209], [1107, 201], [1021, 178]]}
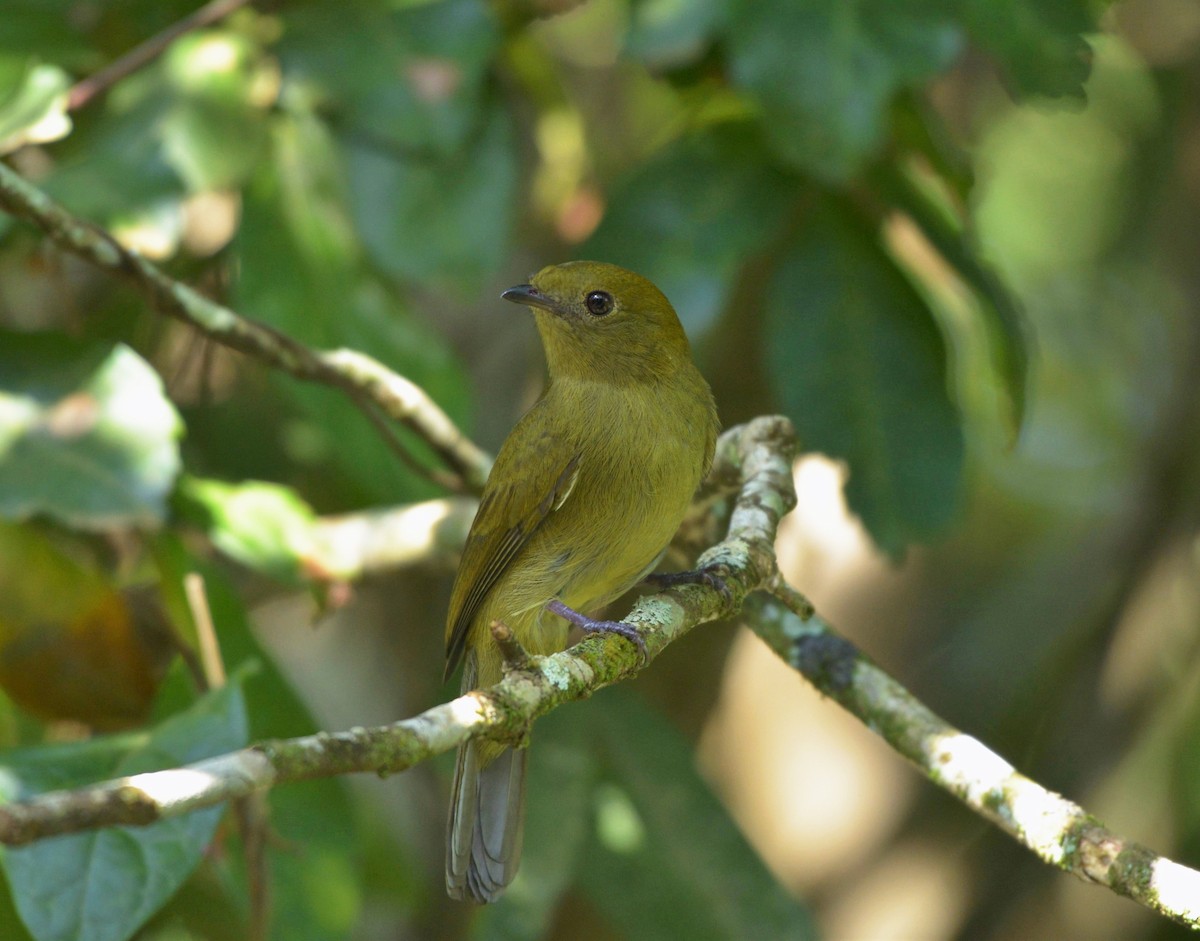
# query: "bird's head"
{"points": [[601, 322]]}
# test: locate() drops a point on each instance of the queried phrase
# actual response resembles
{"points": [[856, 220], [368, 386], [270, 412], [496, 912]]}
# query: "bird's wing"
{"points": [[533, 476]]}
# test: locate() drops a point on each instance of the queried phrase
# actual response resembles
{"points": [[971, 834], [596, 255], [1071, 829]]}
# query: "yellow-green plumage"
{"points": [[584, 497]]}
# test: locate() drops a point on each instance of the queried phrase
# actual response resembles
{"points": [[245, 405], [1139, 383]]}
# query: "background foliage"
{"points": [[953, 240]]}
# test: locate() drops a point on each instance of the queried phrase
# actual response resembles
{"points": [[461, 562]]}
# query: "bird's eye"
{"points": [[599, 303]]}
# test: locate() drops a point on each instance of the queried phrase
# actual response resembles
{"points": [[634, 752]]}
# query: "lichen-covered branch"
{"points": [[1059, 831], [758, 454], [754, 462], [371, 385]]}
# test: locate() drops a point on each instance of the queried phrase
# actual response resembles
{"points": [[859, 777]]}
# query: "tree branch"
{"points": [[758, 456], [1057, 830], [369, 383], [763, 451]]}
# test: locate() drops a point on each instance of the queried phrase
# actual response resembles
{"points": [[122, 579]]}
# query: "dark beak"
{"points": [[528, 295]]}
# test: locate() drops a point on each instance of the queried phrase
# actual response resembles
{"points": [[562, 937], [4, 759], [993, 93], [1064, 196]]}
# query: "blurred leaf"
{"points": [[73, 646], [824, 72], [265, 526], [666, 33], [666, 861], [86, 434], [313, 857], [33, 102], [999, 312], [40, 28], [115, 168], [860, 366], [1040, 46], [102, 885], [560, 780], [11, 926], [690, 218], [441, 223], [301, 270], [214, 131], [409, 77]]}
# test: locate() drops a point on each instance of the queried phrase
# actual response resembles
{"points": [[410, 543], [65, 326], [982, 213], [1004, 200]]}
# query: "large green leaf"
{"points": [[666, 861], [86, 434], [824, 72], [860, 366], [689, 219], [102, 885]]}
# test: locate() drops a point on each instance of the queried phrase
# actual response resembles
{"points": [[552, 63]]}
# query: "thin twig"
{"points": [[515, 656], [144, 53], [251, 811], [206, 634], [368, 383]]}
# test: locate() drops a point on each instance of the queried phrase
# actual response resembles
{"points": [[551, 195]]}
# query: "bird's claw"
{"points": [[711, 575], [592, 626]]}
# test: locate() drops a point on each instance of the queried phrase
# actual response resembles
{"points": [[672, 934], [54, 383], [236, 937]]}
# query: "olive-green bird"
{"points": [[584, 498]]}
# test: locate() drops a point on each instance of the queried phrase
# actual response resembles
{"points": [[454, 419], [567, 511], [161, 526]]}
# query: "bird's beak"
{"points": [[528, 295]]}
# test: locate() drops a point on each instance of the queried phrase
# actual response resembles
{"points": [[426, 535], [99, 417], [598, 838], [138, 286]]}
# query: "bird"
{"points": [[582, 501]]}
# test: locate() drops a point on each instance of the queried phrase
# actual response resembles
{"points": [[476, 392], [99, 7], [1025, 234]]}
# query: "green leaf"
{"points": [[1040, 46], [102, 885], [996, 308], [690, 218], [213, 132], [410, 77], [667, 33], [33, 103], [825, 72], [682, 868], [86, 433], [860, 366], [442, 223], [265, 526]]}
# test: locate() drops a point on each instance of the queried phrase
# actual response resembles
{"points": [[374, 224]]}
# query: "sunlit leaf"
{"points": [[86, 434], [263, 525], [33, 103]]}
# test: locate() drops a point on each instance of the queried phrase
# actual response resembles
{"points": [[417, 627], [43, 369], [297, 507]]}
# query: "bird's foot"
{"points": [[712, 575], [591, 626]]}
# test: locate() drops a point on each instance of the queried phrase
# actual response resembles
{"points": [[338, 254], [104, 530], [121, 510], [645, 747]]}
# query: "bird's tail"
{"points": [[487, 817]]}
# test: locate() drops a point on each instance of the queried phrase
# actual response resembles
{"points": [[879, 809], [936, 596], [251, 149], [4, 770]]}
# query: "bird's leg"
{"points": [[712, 575], [591, 626]]}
